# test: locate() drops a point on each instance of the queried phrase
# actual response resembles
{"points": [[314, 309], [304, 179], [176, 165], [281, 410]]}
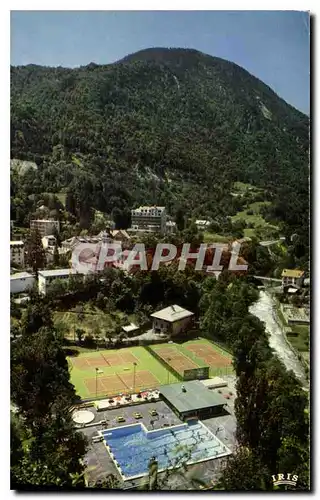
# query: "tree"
{"points": [[57, 288], [79, 312], [39, 373], [80, 334], [180, 219], [37, 315], [35, 254], [52, 458], [244, 471]]}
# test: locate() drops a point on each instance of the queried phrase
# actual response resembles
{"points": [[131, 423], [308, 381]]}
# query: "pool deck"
{"points": [[223, 426]]}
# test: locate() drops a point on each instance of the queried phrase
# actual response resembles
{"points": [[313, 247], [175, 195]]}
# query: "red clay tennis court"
{"points": [[116, 359], [209, 355], [86, 362], [108, 385], [111, 385], [100, 360], [176, 359], [143, 380]]}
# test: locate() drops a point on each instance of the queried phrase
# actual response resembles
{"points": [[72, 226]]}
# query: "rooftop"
{"points": [[172, 313], [130, 328], [44, 220], [17, 242], [214, 382], [195, 397], [292, 273], [148, 208], [19, 276], [56, 272], [203, 222]]}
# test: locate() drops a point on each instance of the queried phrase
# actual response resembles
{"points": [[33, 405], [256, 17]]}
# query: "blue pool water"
{"points": [[133, 446]]}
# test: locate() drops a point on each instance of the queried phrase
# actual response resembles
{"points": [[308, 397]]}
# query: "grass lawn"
{"points": [[215, 238], [242, 187], [255, 219], [93, 319], [299, 337], [145, 362]]}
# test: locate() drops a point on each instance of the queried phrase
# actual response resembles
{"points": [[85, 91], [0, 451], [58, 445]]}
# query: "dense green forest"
{"points": [[168, 126]]}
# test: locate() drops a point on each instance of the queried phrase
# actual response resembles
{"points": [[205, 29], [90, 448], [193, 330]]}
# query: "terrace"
{"points": [[100, 463]]}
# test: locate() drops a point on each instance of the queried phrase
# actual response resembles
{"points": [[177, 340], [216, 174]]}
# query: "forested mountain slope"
{"points": [[171, 126]]}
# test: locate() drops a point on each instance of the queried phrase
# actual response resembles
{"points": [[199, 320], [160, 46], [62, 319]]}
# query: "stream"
{"points": [[264, 309]]}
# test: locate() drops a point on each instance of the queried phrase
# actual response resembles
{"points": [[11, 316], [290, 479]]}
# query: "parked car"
{"points": [[153, 412], [121, 419], [137, 415]]}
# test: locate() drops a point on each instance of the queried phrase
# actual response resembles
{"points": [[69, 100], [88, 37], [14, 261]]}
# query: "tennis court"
{"points": [[173, 357], [209, 355]]}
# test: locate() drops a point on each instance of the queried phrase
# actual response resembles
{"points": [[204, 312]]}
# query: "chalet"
{"points": [[292, 277], [172, 320]]}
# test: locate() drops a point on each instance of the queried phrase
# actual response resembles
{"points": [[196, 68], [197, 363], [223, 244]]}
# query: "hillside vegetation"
{"points": [[167, 126]]}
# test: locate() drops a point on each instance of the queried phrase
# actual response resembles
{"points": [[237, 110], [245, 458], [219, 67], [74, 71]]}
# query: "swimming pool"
{"points": [[132, 446]]}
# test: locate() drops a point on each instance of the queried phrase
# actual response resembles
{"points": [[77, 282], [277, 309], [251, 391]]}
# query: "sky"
{"points": [[272, 45]]}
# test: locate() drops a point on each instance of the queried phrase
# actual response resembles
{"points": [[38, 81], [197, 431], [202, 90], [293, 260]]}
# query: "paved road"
{"points": [[264, 309]]}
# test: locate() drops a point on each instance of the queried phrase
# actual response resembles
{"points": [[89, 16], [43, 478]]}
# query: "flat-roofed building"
{"points": [[131, 329], [292, 277], [21, 282], [192, 399], [172, 320], [48, 241], [17, 252], [214, 383], [44, 226], [149, 219], [46, 277]]}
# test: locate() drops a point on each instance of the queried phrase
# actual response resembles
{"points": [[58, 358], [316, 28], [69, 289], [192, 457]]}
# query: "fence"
{"points": [[164, 363]]}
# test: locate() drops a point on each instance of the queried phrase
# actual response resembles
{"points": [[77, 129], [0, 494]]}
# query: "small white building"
{"points": [[21, 282], [172, 320], [17, 253], [130, 329], [46, 277]]}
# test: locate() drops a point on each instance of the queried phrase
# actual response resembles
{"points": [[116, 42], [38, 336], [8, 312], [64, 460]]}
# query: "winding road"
{"points": [[264, 309]]}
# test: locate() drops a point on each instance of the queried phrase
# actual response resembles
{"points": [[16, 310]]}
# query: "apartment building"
{"points": [[46, 277], [44, 226], [21, 282], [17, 253], [149, 219]]}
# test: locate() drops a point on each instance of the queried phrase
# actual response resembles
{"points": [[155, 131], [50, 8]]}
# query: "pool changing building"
{"points": [[192, 399]]}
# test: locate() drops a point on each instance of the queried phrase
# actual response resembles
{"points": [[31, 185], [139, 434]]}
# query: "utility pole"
{"points": [[134, 375], [97, 373], [97, 369]]}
